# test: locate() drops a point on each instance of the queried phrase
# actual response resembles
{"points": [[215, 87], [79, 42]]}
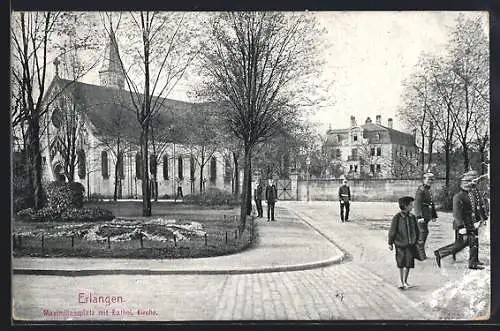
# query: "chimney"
{"points": [[353, 121], [368, 120], [378, 119], [389, 123]]}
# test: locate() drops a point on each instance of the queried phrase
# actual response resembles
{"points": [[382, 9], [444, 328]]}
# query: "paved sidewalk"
{"points": [[285, 245], [364, 237]]}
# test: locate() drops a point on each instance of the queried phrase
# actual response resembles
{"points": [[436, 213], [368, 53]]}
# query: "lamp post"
{"points": [[308, 162]]}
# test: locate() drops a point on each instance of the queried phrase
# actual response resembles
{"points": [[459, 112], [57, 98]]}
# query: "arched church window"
{"points": [[138, 166], [228, 171], [213, 169], [165, 167], [104, 165], [180, 168], [191, 167], [81, 164], [152, 164], [57, 118], [119, 166]]}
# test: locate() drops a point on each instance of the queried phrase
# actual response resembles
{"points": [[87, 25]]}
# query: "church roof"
{"points": [[109, 109], [375, 133]]}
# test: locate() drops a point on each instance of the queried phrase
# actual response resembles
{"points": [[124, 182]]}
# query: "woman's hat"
{"points": [[469, 176]]}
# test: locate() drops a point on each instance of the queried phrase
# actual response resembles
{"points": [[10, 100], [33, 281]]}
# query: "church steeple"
{"points": [[111, 73]]}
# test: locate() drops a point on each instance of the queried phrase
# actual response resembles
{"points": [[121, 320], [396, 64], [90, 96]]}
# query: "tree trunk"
{"points": [[146, 201], [466, 155], [431, 140], [422, 153], [201, 177], [36, 161], [447, 165], [249, 190], [115, 193], [244, 194], [236, 175]]}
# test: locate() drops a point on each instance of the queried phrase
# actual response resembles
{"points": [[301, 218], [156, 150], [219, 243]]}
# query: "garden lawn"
{"points": [[179, 232]]}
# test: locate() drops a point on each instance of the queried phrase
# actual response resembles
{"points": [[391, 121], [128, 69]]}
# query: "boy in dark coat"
{"points": [[403, 234], [258, 194], [345, 201]]}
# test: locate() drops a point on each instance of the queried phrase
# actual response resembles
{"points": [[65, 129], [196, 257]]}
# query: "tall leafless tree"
{"points": [[253, 65]]}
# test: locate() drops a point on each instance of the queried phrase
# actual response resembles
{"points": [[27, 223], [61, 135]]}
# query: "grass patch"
{"points": [[210, 236]]}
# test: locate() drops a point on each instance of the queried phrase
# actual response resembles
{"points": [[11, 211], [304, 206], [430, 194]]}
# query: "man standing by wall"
{"points": [[425, 210], [468, 213], [345, 200], [271, 197], [258, 195]]}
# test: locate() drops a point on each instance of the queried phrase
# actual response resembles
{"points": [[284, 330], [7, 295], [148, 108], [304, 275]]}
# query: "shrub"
{"points": [[70, 215], [165, 196], [61, 196], [212, 197]]}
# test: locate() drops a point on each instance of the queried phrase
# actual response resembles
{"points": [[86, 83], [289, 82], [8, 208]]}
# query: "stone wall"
{"points": [[361, 190]]}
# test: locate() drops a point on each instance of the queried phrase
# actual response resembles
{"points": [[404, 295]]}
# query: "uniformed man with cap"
{"points": [[468, 213], [424, 208]]}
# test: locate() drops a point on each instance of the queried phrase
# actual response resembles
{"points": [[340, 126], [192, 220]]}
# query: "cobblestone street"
{"points": [[364, 286]]}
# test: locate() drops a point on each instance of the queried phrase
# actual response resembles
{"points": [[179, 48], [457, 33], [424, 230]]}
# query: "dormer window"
{"points": [[355, 137]]}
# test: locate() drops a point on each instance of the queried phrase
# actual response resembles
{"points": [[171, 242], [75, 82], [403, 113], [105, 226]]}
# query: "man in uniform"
{"points": [[345, 200], [424, 208], [271, 197], [258, 194], [467, 209]]}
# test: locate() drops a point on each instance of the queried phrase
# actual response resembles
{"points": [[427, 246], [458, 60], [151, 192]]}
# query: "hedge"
{"points": [[212, 197], [70, 215]]}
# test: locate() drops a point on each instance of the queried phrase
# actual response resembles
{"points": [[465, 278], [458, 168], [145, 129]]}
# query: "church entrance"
{"points": [[59, 173]]}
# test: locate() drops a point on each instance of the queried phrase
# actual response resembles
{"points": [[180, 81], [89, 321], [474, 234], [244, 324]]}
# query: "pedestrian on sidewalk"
{"points": [[403, 234], [271, 198], [425, 210], [345, 200], [469, 213], [258, 197]]}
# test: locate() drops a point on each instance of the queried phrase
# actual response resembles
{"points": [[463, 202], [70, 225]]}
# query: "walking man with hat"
{"points": [[425, 210], [468, 214]]}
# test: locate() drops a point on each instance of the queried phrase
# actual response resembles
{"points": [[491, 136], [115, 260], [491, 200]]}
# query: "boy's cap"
{"points": [[406, 200]]}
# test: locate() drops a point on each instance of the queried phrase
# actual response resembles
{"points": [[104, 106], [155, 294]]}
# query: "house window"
{"points": [[337, 153], [165, 167], [213, 170], [138, 166], [377, 137], [104, 165], [354, 153], [372, 168], [81, 164], [152, 164], [119, 166], [378, 167], [180, 169], [338, 138], [350, 168], [379, 151], [355, 168], [355, 138], [372, 151], [191, 167], [406, 153]]}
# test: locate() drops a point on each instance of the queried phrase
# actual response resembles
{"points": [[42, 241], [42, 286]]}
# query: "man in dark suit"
{"points": [[345, 200], [271, 197], [258, 195], [468, 211], [424, 208]]}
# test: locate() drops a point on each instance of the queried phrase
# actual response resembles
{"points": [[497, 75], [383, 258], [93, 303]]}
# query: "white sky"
{"points": [[368, 56]]}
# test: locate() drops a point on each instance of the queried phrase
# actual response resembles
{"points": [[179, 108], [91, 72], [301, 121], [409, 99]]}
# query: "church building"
{"points": [[95, 127]]}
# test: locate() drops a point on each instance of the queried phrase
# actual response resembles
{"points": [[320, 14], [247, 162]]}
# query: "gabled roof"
{"points": [[370, 130], [109, 108]]}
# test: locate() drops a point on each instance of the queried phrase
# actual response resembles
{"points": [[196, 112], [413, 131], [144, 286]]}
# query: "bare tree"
{"points": [[160, 48], [249, 63], [469, 63]]}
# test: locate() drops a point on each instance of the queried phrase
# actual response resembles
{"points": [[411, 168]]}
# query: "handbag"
{"points": [[419, 251]]}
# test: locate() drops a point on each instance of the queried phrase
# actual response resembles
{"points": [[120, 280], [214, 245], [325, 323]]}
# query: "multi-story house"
{"points": [[372, 150]]}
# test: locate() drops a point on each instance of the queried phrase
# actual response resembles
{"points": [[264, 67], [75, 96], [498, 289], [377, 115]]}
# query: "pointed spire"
{"points": [[111, 73], [56, 64]]}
